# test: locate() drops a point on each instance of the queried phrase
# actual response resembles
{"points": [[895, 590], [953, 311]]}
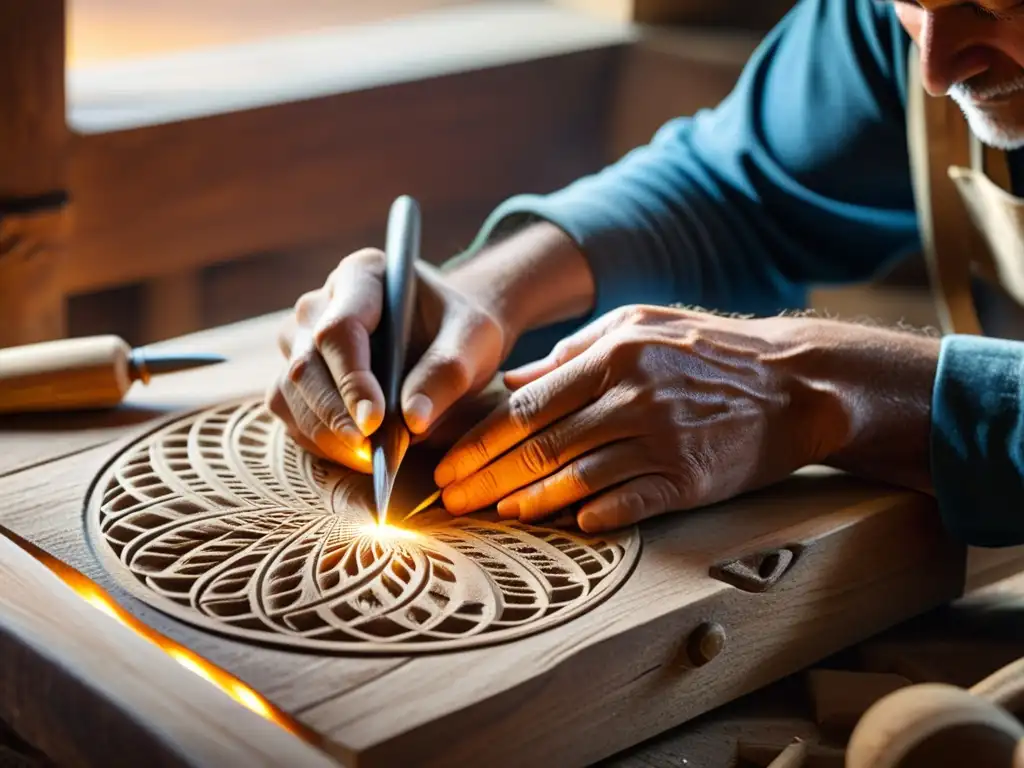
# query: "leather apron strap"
{"points": [[937, 140], [992, 162]]}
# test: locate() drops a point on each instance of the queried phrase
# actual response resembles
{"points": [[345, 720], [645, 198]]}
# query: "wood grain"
{"points": [[32, 258], [309, 171], [626, 660], [961, 644], [107, 671], [203, 156], [758, 725], [598, 653], [33, 168], [172, 305], [287, 679], [33, 133], [221, 520], [866, 557]]}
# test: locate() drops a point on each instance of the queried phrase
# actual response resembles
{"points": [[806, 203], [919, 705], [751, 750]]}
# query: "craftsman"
{"points": [[800, 177]]}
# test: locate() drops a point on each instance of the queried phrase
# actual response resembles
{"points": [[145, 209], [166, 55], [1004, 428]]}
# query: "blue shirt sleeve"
{"points": [[977, 439], [799, 177]]}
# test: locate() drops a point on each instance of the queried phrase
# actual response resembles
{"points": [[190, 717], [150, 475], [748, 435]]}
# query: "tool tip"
{"points": [[390, 442], [383, 482], [147, 364]]}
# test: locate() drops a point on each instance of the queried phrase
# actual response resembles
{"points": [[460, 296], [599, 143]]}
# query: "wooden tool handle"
{"points": [[933, 725], [67, 374], [1004, 687]]}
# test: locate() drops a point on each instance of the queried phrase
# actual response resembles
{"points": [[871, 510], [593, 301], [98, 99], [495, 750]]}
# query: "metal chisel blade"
{"points": [[143, 365], [390, 443]]}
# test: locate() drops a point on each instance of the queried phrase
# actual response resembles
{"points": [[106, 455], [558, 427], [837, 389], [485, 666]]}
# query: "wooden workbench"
{"points": [[672, 645]]}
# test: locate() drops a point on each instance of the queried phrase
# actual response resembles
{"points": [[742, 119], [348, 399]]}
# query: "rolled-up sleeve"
{"points": [[977, 439], [800, 177]]}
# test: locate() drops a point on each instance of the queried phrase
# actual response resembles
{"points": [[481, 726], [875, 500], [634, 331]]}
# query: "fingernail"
{"points": [[349, 435], [455, 499], [364, 409], [444, 475], [589, 522], [508, 508], [417, 412]]}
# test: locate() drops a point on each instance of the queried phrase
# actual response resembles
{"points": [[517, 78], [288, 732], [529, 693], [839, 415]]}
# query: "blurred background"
{"points": [[219, 156]]}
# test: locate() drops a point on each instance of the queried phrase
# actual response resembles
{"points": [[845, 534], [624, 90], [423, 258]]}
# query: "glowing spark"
{"points": [[424, 504], [384, 532]]}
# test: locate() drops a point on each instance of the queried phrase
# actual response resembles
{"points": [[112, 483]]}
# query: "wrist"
{"points": [[533, 277], [868, 391]]}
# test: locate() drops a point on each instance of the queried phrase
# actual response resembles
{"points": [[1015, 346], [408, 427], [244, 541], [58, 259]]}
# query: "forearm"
{"points": [[944, 416], [886, 387], [533, 278], [870, 390]]}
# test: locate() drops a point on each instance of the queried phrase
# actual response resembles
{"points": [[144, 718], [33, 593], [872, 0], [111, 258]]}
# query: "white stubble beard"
{"points": [[988, 131]]}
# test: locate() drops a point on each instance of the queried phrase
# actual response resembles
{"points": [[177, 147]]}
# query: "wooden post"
{"points": [[33, 163], [172, 306]]}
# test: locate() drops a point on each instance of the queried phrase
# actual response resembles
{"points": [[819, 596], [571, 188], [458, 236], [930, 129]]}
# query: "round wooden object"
{"points": [[933, 725], [220, 520], [705, 643]]}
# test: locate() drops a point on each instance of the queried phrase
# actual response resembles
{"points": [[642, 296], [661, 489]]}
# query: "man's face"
{"points": [[973, 51]]}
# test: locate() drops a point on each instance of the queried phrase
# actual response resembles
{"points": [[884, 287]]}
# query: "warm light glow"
{"points": [[385, 531], [363, 452], [247, 697], [95, 596], [424, 504], [234, 688], [192, 665], [97, 600]]}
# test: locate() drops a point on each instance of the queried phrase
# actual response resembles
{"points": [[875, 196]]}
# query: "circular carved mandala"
{"points": [[219, 519]]}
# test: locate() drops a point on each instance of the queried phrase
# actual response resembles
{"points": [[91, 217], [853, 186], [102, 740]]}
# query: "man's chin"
{"points": [[997, 136], [996, 132]]}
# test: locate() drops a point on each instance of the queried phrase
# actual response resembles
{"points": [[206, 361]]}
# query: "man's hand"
{"points": [[650, 410], [327, 395], [466, 322]]}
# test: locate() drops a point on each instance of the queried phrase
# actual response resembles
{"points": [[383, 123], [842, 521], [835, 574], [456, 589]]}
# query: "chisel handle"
{"points": [[67, 374]]}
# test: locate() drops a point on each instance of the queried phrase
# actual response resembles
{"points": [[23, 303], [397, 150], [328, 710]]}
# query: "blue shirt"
{"points": [[799, 178]]}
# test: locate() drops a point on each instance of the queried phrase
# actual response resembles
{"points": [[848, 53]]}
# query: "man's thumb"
{"points": [[461, 357], [565, 350]]}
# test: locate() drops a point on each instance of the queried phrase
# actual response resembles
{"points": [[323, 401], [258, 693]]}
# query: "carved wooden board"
{"points": [[712, 605], [221, 520]]}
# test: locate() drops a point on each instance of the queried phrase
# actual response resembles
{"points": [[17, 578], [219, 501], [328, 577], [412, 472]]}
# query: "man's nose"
{"points": [[943, 40]]}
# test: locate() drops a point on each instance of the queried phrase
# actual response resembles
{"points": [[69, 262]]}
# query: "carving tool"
{"points": [[391, 440], [425, 504], [87, 373]]}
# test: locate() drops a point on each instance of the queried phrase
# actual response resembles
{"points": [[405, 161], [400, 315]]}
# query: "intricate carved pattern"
{"points": [[219, 519]]}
